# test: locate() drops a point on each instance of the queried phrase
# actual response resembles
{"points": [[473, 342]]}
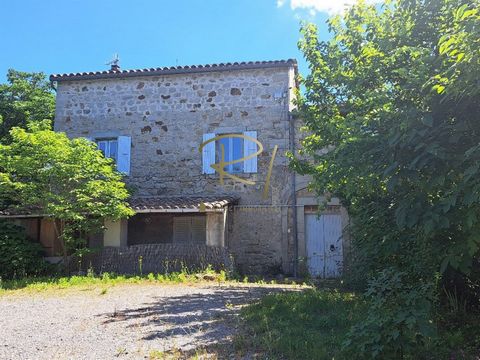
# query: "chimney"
{"points": [[115, 67]]}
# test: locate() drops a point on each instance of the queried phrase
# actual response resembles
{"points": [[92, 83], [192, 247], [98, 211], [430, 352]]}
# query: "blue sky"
{"points": [[56, 36]]}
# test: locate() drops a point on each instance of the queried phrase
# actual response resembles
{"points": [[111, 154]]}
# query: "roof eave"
{"points": [[185, 210], [173, 70], [21, 216]]}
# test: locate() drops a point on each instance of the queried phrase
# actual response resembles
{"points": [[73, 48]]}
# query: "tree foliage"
{"points": [[20, 257], [394, 97], [24, 98], [67, 180]]}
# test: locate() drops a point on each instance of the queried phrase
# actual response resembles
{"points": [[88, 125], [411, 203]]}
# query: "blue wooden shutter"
{"points": [[208, 154], [250, 147], [123, 161]]}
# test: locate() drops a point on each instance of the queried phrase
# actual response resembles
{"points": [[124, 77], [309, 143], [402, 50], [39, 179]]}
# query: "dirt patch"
{"points": [[129, 322]]}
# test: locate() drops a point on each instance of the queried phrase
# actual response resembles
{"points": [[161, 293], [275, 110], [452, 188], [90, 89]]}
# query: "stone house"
{"points": [[168, 128]]}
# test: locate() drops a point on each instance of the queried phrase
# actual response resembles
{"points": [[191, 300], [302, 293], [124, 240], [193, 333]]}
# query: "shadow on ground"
{"points": [[195, 321]]}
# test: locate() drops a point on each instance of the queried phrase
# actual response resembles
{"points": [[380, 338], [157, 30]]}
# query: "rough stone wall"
{"points": [[153, 258], [166, 117], [259, 251]]}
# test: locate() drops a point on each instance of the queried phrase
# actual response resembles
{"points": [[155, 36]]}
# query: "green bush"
{"points": [[18, 256], [399, 318], [391, 118]]}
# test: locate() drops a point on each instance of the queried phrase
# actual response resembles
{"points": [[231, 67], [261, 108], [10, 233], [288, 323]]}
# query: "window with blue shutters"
{"points": [[117, 149], [234, 148], [109, 148]]}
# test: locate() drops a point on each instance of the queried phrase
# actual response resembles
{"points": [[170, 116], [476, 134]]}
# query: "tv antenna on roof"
{"points": [[114, 63]]}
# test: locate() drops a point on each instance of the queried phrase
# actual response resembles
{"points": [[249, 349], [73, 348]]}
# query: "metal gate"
{"points": [[324, 245]]}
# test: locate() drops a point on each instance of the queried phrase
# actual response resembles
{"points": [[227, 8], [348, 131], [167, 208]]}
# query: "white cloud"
{"points": [[328, 6]]}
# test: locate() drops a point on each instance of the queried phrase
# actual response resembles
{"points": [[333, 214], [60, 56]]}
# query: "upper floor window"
{"points": [[239, 146], [117, 148], [232, 150], [109, 148]]}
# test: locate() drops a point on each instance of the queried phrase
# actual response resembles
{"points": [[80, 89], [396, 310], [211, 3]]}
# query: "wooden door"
{"points": [[324, 245]]}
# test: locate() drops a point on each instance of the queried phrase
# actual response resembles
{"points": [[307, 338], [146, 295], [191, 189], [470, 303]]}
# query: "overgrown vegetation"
{"points": [[44, 172], [109, 279], [393, 96], [299, 325], [19, 256], [70, 181], [313, 325]]}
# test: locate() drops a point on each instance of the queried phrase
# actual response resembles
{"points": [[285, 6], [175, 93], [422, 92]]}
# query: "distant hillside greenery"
{"points": [[395, 95]]}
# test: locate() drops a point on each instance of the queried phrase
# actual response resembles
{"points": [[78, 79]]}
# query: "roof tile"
{"points": [[151, 204], [181, 202], [172, 70]]}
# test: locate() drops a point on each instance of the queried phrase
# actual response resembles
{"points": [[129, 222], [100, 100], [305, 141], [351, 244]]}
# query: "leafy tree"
{"points": [[25, 97], [393, 96], [67, 180]]}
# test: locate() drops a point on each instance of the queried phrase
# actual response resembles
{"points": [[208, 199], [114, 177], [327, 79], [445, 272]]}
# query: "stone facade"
{"points": [[166, 117]]}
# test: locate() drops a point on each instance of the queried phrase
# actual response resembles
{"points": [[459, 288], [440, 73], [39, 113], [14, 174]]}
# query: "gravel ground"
{"points": [[127, 322]]}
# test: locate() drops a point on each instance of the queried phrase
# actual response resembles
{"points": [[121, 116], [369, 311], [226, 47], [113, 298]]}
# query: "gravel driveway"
{"points": [[127, 322]]}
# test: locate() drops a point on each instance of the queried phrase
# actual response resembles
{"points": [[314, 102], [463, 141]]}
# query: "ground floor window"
{"points": [[189, 229], [166, 228]]}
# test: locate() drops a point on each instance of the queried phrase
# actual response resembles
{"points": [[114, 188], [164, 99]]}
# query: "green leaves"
{"points": [[370, 95], [68, 180], [20, 257], [398, 318], [394, 98], [25, 98]]}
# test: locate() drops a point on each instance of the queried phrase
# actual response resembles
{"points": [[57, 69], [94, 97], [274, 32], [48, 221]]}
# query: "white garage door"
{"points": [[324, 245]]}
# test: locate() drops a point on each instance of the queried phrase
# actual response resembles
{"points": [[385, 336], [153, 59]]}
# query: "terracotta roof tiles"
{"points": [[117, 73], [152, 204]]}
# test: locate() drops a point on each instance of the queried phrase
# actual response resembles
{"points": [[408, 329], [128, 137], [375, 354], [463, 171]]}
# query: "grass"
{"points": [[299, 325], [312, 324], [460, 331], [106, 280], [177, 354]]}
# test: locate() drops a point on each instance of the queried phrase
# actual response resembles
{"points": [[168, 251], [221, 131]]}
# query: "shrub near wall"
{"points": [[18, 256]]}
